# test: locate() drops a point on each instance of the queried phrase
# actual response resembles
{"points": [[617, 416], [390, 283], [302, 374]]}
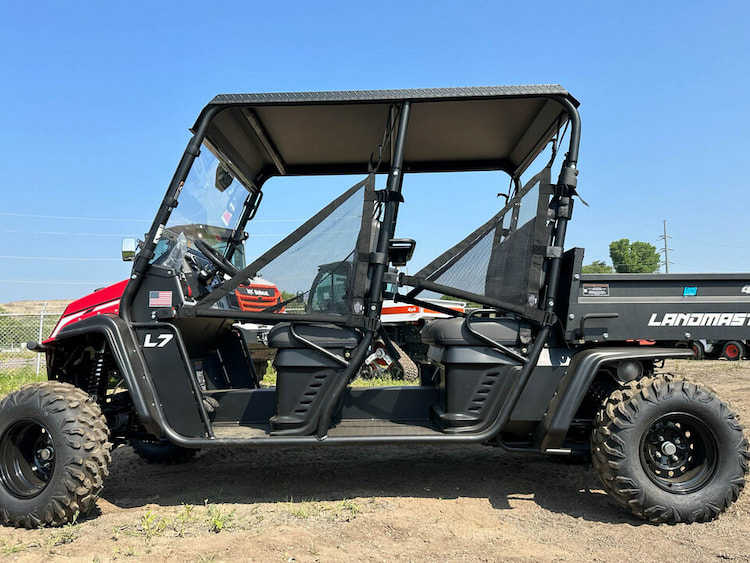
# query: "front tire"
{"points": [[54, 454], [669, 451]]}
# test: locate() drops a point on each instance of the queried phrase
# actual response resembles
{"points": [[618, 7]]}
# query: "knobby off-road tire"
{"points": [[669, 451], [162, 452], [409, 370], [54, 454]]}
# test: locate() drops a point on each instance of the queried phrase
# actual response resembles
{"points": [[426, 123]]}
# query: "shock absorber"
{"points": [[98, 372]]}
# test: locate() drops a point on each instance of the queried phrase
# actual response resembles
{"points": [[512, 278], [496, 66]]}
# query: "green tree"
{"points": [[634, 258], [597, 267]]}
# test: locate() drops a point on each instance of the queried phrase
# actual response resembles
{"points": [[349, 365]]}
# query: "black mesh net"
{"points": [[503, 259], [321, 267]]}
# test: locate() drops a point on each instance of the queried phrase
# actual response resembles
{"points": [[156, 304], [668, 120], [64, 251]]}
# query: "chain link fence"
{"points": [[16, 329]]}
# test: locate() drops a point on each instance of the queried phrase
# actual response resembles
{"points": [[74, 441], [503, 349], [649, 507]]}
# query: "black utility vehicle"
{"points": [[165, 361]]}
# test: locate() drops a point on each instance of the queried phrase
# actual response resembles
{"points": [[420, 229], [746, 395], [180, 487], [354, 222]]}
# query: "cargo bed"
{"points": [[659, 307]]}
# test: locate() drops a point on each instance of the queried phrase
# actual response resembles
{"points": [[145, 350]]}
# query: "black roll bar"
{"points": [[169, 202]]}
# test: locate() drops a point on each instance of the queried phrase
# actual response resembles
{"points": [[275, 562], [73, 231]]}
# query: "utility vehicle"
{"points": [[164, 361]]}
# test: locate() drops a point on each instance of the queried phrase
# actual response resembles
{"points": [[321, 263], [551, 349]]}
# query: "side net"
{"points": [[321, 267], [504, 258]]}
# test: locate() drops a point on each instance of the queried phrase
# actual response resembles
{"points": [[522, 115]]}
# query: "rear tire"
{"points": [[54, 455], [733, 350], [669, 451]]}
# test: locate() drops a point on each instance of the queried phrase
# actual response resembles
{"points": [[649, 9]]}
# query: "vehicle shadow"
{"points": [[337, 473]]}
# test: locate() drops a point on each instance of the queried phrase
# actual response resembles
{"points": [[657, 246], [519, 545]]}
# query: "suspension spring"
{"points": [[98, 371]]}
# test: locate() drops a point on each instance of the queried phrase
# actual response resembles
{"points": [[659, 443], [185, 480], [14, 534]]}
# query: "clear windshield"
{"points": [[202, 203]]}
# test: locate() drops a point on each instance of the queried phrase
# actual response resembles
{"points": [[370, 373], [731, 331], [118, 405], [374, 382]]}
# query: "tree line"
{"points": [[627, 258]]}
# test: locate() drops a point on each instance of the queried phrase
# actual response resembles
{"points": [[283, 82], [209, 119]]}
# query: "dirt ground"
{"points": [[424, 503]]}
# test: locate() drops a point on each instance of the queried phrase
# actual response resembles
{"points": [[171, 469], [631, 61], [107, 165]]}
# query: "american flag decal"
{"points": [[159, 298]]}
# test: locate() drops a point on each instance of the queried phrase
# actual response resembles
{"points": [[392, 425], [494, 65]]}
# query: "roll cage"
{"points": [[257, 137]]}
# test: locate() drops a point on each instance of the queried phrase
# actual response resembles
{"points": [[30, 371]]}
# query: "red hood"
{"points": [[106, 300]]}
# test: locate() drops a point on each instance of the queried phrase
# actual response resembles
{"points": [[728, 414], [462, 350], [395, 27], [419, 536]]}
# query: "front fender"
{"points": [[578, 379], [124, 350]]}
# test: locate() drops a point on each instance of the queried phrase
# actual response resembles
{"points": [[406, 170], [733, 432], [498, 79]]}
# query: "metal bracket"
{"points": [[492, 343], [384, 196], [314, 346]]}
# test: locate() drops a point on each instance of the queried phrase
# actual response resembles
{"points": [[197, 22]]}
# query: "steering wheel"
{"points": [[213, 256]]}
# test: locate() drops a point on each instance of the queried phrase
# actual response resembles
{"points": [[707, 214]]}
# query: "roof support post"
{"points": [[566, 189], [388, 226], [140, 265]]}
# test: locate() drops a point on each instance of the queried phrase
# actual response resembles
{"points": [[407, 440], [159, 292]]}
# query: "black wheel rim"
{"points": [[27, 458], [679, 453]]}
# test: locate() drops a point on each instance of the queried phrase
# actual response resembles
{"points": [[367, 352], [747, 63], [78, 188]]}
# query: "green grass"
{"points": [[17, 369], [12, 377], [345, 510], [269, 380]]}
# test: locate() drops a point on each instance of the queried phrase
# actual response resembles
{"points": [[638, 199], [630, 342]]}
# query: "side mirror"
{"points": [[128, 249], [400, 251]]}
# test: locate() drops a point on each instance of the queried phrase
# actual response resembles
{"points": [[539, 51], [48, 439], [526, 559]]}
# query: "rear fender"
{"points": [[578, 379]]}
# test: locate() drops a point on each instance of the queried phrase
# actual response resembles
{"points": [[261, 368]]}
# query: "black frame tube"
{"points": [[388, 226], [566, 189], [140, 265]]}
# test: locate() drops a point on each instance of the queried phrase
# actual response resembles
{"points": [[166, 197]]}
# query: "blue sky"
{"points": [[97, 99]]}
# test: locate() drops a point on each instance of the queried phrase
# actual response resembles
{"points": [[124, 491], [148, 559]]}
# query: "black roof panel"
{"points": [[298, 133]]}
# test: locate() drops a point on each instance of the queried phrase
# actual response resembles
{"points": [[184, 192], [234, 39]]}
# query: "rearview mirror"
{"points": [[128, 249], [224, 178]]}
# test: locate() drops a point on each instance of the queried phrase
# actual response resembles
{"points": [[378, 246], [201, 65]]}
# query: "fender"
{"points": [[130, 363], [576, 382]]}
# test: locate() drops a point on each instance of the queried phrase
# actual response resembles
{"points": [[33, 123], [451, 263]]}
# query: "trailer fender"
{"points": [[124, 350], [578, 379]]}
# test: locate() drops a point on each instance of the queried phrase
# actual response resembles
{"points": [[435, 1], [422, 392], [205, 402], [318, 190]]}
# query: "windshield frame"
{"points": [[202, 189]]}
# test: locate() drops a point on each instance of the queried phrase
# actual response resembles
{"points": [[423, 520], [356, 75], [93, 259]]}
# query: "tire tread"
{"points": [[619, 415], [84, 429]]}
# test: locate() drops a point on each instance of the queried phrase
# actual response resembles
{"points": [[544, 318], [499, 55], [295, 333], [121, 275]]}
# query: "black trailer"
{"points": [[168, 365]]}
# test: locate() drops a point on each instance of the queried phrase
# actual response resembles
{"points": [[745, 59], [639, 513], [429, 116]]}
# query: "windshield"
{"points": [[208, 212], [203, 203]]}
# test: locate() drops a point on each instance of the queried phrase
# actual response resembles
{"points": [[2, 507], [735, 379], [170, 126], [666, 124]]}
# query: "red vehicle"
{"points": [[256, 296]]}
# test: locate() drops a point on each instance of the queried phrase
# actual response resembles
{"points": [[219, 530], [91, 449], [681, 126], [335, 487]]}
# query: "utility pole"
{"points": [[666, 248]]}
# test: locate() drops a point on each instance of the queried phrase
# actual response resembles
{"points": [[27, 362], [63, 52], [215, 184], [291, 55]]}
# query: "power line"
{"points": [[61, 258], [108, 220], [709, 243], [61, 233], [127, 220], [57, 282]]}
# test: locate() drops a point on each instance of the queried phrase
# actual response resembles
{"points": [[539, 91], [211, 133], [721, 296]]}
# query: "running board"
{"points": [[355, 428]]}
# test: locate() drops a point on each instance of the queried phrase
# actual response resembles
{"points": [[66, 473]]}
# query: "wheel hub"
{"points": [[27, 458], [678, 453], [668, 448], [46, 454]]}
